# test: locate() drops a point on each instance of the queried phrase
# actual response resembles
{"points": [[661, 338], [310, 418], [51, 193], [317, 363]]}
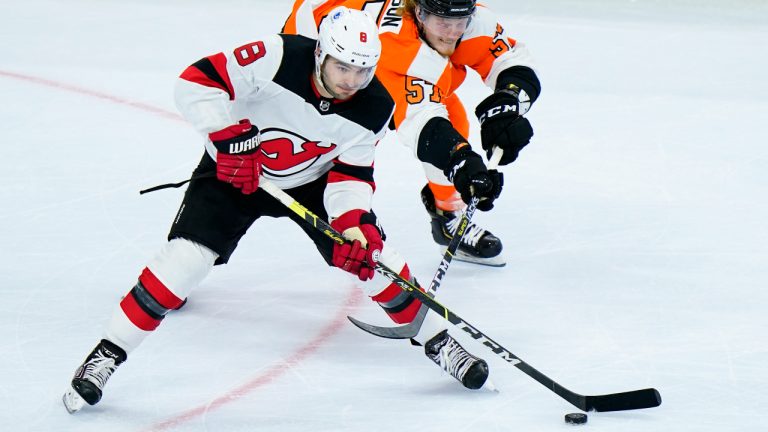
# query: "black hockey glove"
{"points": [[502, 123], [469, 175]]}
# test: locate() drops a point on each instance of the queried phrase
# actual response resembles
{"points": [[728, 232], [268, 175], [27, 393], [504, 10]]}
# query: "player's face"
{"points": [[343, 80], [443, 33]]}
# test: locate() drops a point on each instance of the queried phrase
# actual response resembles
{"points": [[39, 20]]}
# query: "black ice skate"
{"points": [[91, 377], [454, 359], [477, 245]]}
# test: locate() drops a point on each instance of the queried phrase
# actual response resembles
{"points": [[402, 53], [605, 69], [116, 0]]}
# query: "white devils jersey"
{"points": [[302, 134]]}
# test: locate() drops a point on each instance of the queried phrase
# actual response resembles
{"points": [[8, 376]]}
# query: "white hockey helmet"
{"points": [[350, 36]]}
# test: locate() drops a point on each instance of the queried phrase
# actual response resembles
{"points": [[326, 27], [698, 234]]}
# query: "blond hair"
{"points": [[408, 9]]}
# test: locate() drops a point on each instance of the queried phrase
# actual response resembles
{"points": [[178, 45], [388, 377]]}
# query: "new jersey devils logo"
{"points": [[287, 153]]}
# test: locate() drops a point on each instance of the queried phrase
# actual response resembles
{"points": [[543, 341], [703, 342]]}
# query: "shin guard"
{"points": [[162, 286]]}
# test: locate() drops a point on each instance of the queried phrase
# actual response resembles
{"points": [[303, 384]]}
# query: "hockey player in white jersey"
{"points": [[306, 115]]}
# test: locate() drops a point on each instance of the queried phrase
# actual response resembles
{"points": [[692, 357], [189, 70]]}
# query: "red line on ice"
{"points": [[353, 299], [93, 93]]}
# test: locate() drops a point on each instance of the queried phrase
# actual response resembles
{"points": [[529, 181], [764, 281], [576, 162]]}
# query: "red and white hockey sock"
{"points": [[148, 302], [162, 286], [399, 305]]}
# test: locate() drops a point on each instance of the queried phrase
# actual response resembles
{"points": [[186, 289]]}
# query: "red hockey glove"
{"points": [[238, 160], [360, 255]]}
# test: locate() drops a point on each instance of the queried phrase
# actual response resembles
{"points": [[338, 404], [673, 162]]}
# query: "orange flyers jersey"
{"points": [[419, 79]]}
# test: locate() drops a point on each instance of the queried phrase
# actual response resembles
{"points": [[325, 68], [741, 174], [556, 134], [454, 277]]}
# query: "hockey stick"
{"points": [[636, 399], [408, 331]]}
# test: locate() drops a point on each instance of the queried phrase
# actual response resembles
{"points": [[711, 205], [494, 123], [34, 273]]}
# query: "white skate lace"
{"points": [[99, 369], [454, 359], [472, 234]]}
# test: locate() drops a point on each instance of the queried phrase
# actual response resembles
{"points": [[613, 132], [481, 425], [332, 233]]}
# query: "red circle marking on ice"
{"points": [[334, 326]]}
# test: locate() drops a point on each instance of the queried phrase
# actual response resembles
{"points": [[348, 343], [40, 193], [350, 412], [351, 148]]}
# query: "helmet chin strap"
{"points": [[320, 80], [324, 86], [420, 15]]}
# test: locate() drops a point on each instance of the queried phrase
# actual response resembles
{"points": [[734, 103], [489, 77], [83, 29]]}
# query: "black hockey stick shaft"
{"points": [[410, 330], [638, 399], [464, 222]]}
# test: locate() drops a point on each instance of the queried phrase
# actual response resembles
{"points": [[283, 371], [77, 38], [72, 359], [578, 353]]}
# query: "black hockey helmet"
{"points": [[449, 8]]}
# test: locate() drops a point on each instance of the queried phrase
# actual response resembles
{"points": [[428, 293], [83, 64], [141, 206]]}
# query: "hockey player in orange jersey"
{"points": [[427, 46]]}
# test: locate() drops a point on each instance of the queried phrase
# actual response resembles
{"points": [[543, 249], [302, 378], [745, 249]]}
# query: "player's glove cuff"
{"points": [[240, 138]]}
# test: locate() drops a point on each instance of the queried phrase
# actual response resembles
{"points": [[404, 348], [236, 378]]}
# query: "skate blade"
{"points": [[73, 402], [490, 386], [497, 261]]}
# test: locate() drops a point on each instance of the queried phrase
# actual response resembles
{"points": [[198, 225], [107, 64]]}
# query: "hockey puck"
{"points": [[576, 418]]}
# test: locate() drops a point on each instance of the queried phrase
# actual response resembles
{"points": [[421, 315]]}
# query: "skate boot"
{"points": [[471, 371], [477, 245], [91, 377]]}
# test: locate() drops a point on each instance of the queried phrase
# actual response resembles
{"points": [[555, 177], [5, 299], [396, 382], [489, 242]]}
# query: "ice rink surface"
{"points": [[634, 228]]}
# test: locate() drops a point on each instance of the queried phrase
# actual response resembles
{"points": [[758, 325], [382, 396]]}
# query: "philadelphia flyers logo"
{"points": [[287, 153]]}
